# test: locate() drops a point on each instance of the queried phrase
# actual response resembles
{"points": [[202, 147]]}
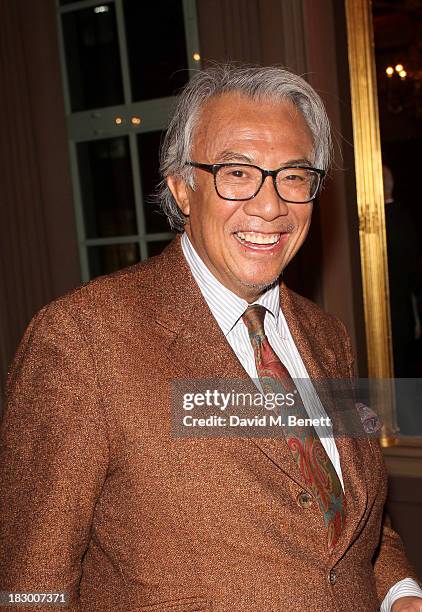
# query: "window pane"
{"points": [[155, 248], [148, 146], [92, 58], [107, 188], [155, 35], [109, 258]]}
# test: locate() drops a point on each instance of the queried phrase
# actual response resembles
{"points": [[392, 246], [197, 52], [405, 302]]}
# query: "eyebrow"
{"points": [[233, 156], [303, 161], [227, 156]]}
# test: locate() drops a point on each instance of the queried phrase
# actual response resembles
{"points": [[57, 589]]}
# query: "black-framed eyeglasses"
{"points": [[296, 184]]}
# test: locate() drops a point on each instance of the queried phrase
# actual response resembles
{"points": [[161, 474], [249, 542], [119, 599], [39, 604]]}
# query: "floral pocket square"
{"points": [[370, 421]]}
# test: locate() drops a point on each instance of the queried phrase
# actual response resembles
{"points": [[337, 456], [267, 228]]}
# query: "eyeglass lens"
{"points": [[243, 182]]}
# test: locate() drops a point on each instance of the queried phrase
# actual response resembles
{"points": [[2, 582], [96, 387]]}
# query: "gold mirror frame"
{"points": [[369, 186], [370, 202]]}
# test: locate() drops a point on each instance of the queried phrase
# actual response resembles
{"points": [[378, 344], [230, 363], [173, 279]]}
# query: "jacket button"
{"points": [[304, 500], [332, 576]]}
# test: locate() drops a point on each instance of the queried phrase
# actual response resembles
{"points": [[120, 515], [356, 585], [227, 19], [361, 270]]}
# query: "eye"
{"points": [[293, 177], [298, 176], [236, 173]]}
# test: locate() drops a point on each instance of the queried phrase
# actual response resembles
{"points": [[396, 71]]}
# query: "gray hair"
{"points": [[255, 82]]}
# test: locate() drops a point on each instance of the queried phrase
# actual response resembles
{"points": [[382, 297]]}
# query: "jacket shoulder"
{"points": [[310, 309], [323, 329], [114, 294]]}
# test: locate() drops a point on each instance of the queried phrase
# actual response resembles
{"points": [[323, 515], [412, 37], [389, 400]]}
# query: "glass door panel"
{"points": [[106, 183], [158, 62], [108, 258], [148, 147], [92, 58]]}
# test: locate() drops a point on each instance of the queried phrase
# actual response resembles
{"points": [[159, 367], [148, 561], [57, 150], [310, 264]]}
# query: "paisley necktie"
{"points": [[310, 455]]}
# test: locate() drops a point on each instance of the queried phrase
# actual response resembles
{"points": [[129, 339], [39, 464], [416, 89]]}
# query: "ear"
{"points": [[179, 190]]}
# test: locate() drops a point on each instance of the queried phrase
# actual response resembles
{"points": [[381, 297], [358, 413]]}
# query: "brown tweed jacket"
{"points": [[98, 499]]}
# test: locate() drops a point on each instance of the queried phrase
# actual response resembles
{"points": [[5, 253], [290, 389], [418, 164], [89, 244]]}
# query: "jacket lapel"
{"points": [[321, 362], [196, 345]]}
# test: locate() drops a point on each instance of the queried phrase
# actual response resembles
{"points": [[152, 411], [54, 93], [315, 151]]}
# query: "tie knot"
{"points": [[253, 318]]}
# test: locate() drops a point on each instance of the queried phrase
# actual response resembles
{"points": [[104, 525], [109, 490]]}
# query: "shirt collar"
{"points": [[225, 305]]}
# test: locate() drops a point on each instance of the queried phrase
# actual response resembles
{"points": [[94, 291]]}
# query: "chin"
{"points": [[261, 278], [259, 284]]}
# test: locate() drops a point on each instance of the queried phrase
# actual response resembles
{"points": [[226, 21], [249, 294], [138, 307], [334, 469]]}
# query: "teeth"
{"points": [[256, 238]]}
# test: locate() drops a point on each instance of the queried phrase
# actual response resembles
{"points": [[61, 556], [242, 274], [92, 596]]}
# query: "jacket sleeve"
{"points": [[389, 562], [53, 459]]}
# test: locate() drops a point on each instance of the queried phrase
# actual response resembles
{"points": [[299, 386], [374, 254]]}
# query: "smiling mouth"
{"points": [[258, 239]]}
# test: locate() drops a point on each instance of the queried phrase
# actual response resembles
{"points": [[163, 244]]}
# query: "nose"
{"points": [[267, 204]]}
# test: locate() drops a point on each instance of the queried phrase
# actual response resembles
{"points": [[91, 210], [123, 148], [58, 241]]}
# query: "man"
{"points": [[100, 500]]}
